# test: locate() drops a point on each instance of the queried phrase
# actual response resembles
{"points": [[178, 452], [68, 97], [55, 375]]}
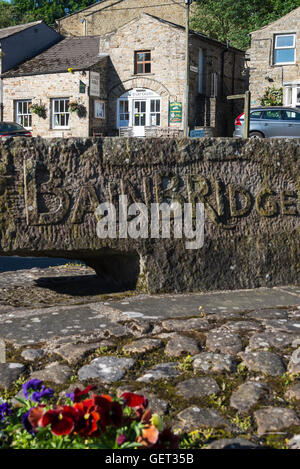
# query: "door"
{"points": [[291, 123], [272, 123], [139, 117]]}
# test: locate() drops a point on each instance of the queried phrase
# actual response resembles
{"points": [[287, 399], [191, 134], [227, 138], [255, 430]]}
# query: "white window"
{"points": [[124, 113], [289, 96], [292, 95], [60, 113], [155, 112], [23, 114], [284, 49]]}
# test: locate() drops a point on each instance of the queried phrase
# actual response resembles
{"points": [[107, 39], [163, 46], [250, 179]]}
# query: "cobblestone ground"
{"points": [[222, 368]]}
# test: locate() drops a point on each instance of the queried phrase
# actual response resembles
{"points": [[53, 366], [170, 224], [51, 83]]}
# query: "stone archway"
{"points": [[136, 83]]}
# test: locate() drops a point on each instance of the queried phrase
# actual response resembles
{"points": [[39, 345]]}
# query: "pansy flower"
{"points": [[61, 420]]}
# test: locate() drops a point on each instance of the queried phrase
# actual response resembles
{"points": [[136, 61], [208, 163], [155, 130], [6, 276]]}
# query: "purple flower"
{"points": [[31, 385], [40, 392], [121, 439], [4, 411], [70, 395], [37, 396], [26, 424]]}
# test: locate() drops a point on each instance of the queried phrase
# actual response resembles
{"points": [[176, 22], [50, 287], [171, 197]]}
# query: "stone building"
{"points": [[131, 78], [275, 59], [108, 15], [18, 43]]}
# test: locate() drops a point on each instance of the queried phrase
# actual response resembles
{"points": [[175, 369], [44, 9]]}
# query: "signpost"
{"points": [[247, 99]]}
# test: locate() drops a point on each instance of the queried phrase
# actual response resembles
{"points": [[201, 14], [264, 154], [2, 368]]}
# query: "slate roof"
{"points": [[6, 32], [73, 52]]}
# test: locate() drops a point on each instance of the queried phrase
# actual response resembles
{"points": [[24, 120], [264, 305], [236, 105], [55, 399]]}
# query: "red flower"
{"points": [[134, 400], [61, 420], [110, 412], [87, 418], [84, 393], [35, 416]]}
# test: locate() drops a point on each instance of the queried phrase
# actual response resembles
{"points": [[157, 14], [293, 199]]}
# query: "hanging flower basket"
{"points": [[38, 109], [74, 106]]}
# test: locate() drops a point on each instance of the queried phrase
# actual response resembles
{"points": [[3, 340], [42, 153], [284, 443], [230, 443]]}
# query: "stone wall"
{"points": [[111, 14], [261, 56], [49, 191]]}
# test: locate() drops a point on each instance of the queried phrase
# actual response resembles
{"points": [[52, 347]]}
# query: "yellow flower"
{"points": [[70, 70]]}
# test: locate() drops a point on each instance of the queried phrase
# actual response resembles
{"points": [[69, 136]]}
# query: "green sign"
{"points": [[175, 113]]}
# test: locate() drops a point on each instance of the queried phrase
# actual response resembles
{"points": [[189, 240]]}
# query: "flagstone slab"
{"points": [[142, 345], [264, 362], [214, 362], [195, 418], [54, 373], [107, 369], [232, 443], [248, 395], [294, 363], [198, 387], [275, 419], [9, 373], [161, 371], [265, 340], [224, 341], [180, 344]]}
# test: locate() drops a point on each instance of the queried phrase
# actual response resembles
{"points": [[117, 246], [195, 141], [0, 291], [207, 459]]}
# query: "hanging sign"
{"points": [[175, 113], [95, 84]]}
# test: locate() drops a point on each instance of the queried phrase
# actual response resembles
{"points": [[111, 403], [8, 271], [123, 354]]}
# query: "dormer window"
{"points": [[142, 61], [284, 49]]}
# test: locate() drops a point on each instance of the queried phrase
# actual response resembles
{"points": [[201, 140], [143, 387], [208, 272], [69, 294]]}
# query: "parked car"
{"points": [[280, 122], [11, 129]]}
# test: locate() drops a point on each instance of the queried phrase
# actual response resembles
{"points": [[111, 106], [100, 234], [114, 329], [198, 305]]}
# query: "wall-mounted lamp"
{"points": [[268, 78]]}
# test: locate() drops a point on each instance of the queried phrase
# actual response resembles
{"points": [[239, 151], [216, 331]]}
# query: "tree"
{"points": [[234, 20], [8, 16], [47, 10]]}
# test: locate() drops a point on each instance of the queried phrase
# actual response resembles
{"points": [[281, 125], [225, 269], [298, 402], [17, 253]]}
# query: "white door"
{"points": [[139, 117]]}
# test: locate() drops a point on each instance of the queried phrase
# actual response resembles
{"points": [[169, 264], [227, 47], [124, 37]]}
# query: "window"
{"points": [[23, 114], [60, 113], [124, 113], [289, 96], [274, 115], [155, 112], [256, 114], [284, 49], [291, 115], [142, 62]]}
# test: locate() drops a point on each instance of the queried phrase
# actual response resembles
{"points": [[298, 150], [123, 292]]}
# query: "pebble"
{"points": [[247, 395], [161, 371], [214, 362], [180, 344]]}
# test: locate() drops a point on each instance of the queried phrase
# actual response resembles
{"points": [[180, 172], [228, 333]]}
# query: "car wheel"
{"points": [[256, 135]]}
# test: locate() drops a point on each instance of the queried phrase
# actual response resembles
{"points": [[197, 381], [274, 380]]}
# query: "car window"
{"points": [[272, 114], [8, 127], [291, 115], [256, 114]]}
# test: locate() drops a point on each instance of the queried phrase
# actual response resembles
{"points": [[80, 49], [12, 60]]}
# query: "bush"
{"points": [[272, 97]]}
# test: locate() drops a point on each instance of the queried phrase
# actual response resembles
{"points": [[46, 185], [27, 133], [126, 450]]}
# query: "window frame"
{"points": [[143, 62], [53, 114], [276, 47], [17, 114]]}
